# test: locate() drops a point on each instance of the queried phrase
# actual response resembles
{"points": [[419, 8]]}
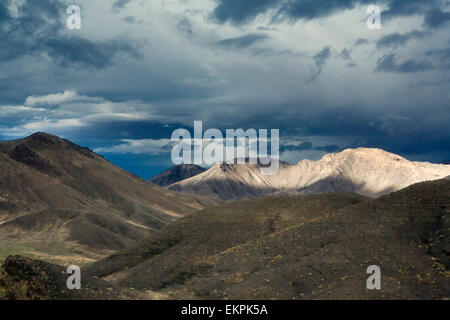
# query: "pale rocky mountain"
{"points": [[364, 171]]}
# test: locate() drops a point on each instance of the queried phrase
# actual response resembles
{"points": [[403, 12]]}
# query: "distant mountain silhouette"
{"points": [[176, 173]]}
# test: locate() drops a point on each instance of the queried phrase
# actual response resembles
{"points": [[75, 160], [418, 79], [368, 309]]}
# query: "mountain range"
{"points": [[364, 171], [308, 232]]}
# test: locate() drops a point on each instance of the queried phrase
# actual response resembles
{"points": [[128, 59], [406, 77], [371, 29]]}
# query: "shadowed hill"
{"points": [[176, 173], [298, 247], [55, 191]]}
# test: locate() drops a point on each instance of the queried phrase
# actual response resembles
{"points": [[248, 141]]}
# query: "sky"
{"points": [[139, 69]]}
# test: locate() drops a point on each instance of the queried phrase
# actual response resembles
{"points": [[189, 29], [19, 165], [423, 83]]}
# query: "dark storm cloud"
{"points": [[120, 4], [442, 54], [38, 30], [436, 18], [239, 11], [320, 59], [346, 55], [115, 130], [410, 134], [131, 19], [4, 14], [311, 9], [388, 63], [398, 8], [267, 52], [317, 121], [21, 36], [329, 148], [79, 52], [185, 28], [242, 42], [263, 28], [263, 52], [307, 145], [396, 39], [423, 145], [424, 84], [360, 42], [414, 134]]}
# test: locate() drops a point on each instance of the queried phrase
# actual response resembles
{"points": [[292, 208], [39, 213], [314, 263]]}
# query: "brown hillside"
{"points": [[52, 190], [299, 247]]}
